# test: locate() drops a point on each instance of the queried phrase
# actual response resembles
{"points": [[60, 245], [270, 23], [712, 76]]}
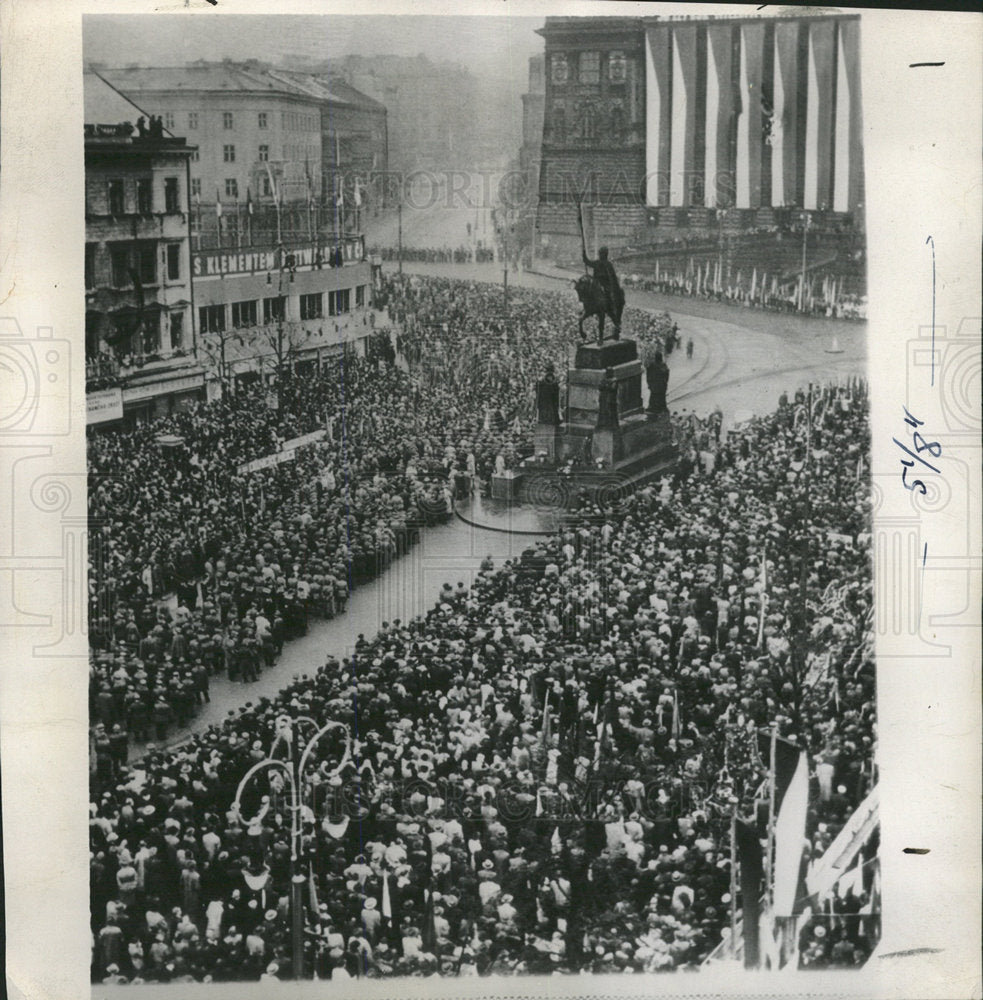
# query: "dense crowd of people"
{"points": [[542, 769], [252, 557]]}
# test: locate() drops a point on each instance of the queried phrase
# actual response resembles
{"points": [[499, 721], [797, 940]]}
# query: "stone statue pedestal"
{"points": [[547, 441], [506, 485], [606, 422]]}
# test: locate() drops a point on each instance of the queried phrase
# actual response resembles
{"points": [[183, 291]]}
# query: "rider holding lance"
{"points": [[607, 280]]}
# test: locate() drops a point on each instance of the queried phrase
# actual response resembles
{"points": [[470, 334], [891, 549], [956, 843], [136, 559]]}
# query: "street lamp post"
{"points": [[399, 216], [294, 770]]}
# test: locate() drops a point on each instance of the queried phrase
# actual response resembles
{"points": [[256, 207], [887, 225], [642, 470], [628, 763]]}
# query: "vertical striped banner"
{"points": [[658, 114], [743, 164], [810, 197], [719, 116], [767, 109], [801, 97], [697, 186], [683, 113], [850, 59], [841, 134], [753, 42], [819, 194]]}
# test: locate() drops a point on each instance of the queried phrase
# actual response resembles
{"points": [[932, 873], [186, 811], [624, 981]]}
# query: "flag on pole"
{"points": [[312, 887], [387, 906], [218, 203], [249, 202], [357, 194], [754, 282], [750, 859], [429, 933], [547, 731], [763, 600], [791, 805], [274, 190]]}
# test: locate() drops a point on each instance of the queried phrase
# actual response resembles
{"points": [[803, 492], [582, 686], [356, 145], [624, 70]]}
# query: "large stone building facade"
{"points": [[140, 337], [280, 153], [657, 124]]}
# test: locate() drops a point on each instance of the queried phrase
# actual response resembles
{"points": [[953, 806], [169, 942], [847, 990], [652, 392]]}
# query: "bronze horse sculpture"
{"points": [[594, 300]]}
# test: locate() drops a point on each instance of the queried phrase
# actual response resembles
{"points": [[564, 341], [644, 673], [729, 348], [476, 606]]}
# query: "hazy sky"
{"points": [[487, 45]]}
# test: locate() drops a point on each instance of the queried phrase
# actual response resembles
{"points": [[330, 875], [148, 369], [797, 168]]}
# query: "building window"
{"points": [[560, 71], [244, 313], [211, 319], [264, 154], [145, 200], [228, 121], [195, 155], [117, 197], [168, 120], [145, 260], [177, 331], [171, 205], [151, 338], [229, 154], [360, 296], [273, 309], [264, 186], [262, 120], [617, 67], [119, 258], [173, 261], [231, 187], [195, 187], [339, 302], [311, 306], [90, 265], [590, 67], [192, 119]]}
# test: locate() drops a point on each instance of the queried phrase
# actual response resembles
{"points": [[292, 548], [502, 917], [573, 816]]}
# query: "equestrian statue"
{"points": [[600, 293]]}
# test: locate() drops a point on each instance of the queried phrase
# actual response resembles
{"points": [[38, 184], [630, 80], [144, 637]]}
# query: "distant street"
{"points": [[437, 213]]}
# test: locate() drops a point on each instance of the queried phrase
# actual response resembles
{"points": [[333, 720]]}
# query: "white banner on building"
{"points": [[103, 406]]}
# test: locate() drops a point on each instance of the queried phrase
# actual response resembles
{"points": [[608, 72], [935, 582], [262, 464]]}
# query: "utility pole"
{"points": [[802, 285]]}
